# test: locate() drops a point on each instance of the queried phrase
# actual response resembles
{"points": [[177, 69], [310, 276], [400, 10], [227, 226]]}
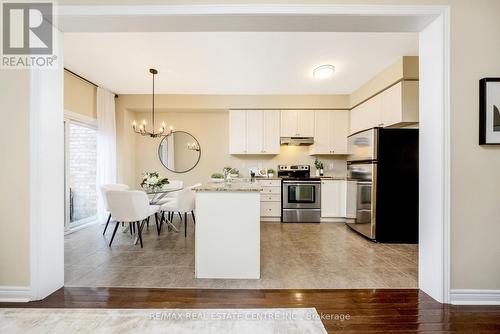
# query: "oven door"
{"points": [[301, 194]]}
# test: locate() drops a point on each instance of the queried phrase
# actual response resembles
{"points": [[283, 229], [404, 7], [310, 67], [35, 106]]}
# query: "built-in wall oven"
{"points": [[301, 201]]}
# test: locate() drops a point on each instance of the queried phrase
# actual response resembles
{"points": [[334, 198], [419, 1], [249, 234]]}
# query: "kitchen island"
{"points": [[227, 238]]}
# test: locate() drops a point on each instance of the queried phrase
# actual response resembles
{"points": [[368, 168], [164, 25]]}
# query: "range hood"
{"points": [[297, 141]]}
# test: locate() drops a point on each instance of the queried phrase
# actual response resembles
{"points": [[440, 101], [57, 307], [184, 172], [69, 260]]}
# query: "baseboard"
{"points": [[15, 294], [474, 297]]}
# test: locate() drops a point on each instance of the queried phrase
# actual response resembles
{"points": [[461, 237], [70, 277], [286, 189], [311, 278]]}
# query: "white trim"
{"points": [[447, 157], [79, 118], [474, 297], [81, 226], [243, 9], [15, 294]]}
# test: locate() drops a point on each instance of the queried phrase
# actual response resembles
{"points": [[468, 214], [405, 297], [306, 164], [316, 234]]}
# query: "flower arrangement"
{"points": [[318, 164], [217, 176], [151, 181], [270, 172], [319, 167]]}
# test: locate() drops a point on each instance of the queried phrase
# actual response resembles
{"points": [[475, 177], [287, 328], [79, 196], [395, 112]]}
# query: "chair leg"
{"points": [[194, 218], [185, 224], [157, 225], [107, 223], [147, 223], [180, 216], [139, 232], [114, 232], [130, 227]]}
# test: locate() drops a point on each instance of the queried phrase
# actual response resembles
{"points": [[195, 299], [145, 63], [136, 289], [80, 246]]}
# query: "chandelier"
{"points": [[142, 128]]}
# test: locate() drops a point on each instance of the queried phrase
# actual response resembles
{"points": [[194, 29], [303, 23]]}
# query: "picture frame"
{"points": [[489, 111]]}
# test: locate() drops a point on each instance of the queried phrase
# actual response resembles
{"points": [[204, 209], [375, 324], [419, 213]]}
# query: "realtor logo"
{"points": [[27, 28], [27, 35]]}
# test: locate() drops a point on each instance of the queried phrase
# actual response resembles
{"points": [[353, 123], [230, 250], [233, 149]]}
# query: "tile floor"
{"points": [[306, 256]]}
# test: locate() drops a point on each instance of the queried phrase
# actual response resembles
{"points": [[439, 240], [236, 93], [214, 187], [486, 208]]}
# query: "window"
{"points": [[81, 168]]}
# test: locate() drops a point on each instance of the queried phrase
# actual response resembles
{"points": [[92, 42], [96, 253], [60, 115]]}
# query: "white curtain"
{"points": [[106, 145]]}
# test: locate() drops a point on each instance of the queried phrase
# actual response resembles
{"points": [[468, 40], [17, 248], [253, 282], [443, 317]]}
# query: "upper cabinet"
{"points": [[400, 104], [395, 106], [254, 131], [297, 123], [330, 132]]}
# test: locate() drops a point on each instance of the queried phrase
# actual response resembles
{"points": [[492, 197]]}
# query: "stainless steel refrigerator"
{"points": [[384, 164]]}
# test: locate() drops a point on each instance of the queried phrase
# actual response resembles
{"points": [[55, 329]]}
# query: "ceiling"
{"points": [[233, 62]]}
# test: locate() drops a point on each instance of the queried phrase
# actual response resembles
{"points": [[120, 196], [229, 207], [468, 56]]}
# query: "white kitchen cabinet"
{"points": [[331, 129], [271, 132], [400, 104], [254, 132], [394, 107], [351, 199], [270, 199], [338, 199], [333, 198], [297, 123], [237, 131]]}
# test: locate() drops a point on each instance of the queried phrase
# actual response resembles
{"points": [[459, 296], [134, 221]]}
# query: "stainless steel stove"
{"points": [[301, 194]]}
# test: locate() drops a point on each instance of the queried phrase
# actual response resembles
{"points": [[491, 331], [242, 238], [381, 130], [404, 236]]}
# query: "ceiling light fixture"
{"points": [[142, 128], [323, 71]]}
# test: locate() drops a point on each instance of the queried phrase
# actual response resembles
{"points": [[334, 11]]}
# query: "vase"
{"points": [[321, 172], [317, 172]]}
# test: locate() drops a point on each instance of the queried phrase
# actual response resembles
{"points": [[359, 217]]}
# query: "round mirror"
{"points": [[179, 152]]}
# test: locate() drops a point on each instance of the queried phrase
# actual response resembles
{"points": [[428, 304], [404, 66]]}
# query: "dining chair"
{"points": [[131, 206], [183, 204], [104, 189]]}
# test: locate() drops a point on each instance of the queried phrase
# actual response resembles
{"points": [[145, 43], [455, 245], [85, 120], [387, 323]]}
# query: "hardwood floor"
{"points": [[362, 310]]}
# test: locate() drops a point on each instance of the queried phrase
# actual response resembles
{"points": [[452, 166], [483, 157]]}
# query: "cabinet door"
{"points": [[254, 131], [355, 121], [332, 199], [392, 107], [289, 123], [321, 132], [351, 199], [373, 111], [237, 132], [305, 123], [271, 132], [339, 130]]}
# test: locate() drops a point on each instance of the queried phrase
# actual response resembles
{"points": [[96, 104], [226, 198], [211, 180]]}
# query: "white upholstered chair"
{"points": [[183, 204], [104, 189], [131, 206]]}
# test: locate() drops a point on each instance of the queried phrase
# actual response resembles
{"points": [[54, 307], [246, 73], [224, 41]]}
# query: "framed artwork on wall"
{"points": [[489, 111]]}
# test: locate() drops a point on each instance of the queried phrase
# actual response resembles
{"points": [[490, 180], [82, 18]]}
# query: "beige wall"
{"points": [[79, 96], [208, 122], [14, 178]]}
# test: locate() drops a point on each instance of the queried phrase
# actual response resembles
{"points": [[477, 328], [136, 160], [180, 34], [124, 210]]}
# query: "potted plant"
{"points": [[152, 182], [217, 177], [270, 172], [319, 167]]}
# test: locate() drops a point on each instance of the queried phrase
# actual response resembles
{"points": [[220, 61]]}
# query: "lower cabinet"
{"points": [[270, 200], [338, 199]]}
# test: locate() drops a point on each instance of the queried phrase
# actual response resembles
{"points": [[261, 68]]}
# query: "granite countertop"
{"points": [[333, 178], [230, 186]]}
